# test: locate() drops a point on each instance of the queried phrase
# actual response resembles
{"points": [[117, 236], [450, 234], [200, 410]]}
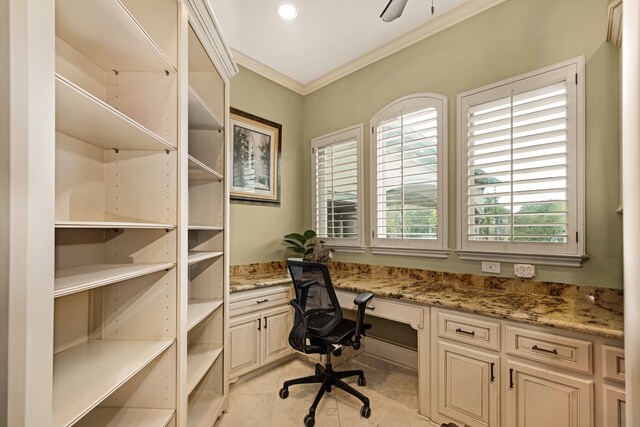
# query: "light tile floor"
{"points": [[391, 389]]}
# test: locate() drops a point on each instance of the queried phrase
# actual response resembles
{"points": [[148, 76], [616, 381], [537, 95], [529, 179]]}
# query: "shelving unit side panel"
{"points": [[206, 203], [152, 387], [141, 185], [79, 69], [208, 147], [206, 279], [138, 245], [141, 308], [71, 321], [150, 98], [80, 180], [159, 18], [75, 247]]}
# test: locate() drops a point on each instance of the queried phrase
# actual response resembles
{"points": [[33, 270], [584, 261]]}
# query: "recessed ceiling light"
{"points": [[288, 12]]}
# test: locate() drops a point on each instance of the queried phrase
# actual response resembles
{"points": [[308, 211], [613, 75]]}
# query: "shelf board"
{"points": [[107, 34], [200, 358], [199, 309], [83, 277], [203, 407], [85, 117], [198, 171], [85, 375], [195, 257], [200, 115], [206, 227], [113, 224], [126, 417]]}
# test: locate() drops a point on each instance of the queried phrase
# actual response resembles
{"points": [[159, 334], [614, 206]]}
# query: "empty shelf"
{"points": [[200, 357], [107, 34], [198, 171], [199, 309], [112, 224], [83, 277], [203, 407], [87, 118], [85, 375], [126, 417], [206, 227], [200, 115], [195, 257]]}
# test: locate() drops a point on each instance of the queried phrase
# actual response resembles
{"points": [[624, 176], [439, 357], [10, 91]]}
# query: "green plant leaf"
{"points": [[294, 243], [308, 251], [309, 234], [299, 237], [298, 250]]}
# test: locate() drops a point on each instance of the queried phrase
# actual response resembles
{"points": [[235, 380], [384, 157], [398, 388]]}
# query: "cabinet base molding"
{"points": [[239, 379]]}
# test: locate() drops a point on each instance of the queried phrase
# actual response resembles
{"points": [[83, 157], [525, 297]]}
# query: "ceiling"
{"points": [[329, 35]]}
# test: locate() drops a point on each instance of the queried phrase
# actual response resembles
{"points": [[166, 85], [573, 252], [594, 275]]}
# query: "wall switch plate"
{"points": [[526, 271], [491, 267]]}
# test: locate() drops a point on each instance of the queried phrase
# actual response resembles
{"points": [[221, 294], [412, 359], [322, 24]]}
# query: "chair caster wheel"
{"points": [[362, 381], [365, 411], [283, 393], [309, 421]]}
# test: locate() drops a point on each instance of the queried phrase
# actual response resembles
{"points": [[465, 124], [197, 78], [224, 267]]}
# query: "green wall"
{"points": [[512, 38], [257, 230]]}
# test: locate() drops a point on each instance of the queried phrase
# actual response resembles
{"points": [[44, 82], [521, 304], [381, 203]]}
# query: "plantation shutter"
{"points": [[336, 189], [517, 162], [407, 175]]}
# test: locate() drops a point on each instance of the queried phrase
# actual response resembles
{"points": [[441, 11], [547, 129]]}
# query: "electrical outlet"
{"points": [[526, 271], [491, 267]]}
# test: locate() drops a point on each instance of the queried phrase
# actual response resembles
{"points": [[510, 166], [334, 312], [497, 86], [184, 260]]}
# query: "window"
{"points": [[337, 188], [521, 150], [408, 177]]}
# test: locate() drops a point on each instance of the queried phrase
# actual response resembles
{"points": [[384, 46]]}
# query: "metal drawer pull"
{"points": [[544, 350], [462, 331], [493, 376], [510, 378], [370, 308], [265, 323], [259, 323], [260, 302]]}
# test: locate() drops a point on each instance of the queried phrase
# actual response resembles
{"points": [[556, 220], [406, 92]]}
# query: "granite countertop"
{"points": [[588, 309]]}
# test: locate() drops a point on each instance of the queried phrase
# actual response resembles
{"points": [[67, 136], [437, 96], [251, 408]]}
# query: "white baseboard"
{"points": [[391, 352]]}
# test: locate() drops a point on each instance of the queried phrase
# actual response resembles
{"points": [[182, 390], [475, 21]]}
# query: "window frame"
{"points": [[572, 253], [354, 245], [431, 248]]}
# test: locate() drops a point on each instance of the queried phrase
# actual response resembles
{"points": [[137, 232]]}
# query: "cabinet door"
{"points": [[468, 385], [540, 398], [275, 339], [613, 411], [244, 341]]}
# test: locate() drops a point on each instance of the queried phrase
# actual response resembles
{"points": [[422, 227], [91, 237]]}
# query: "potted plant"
{"points": [[308, 247]]}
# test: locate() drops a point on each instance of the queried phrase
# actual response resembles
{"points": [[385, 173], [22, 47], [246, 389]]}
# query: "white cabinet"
{"points": [[468, 385], [541, 398], [614, 407], [259, 328]]}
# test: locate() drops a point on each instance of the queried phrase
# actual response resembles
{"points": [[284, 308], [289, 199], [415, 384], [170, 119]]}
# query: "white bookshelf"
{"points": [[195, 257], [113, 225], [205, 228], [198, 171], [200, 309], [204, 407], [127, 417], [84, 277], [200, 357], [200, 115], [87, 374]]}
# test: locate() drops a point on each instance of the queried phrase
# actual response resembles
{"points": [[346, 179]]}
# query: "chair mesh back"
{"points": [[318, 301]]}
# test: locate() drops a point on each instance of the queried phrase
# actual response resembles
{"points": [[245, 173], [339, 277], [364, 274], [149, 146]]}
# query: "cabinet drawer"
{"points": [[251, 301], [613, 363], [379, 307], [469, 330], [550, 349]]}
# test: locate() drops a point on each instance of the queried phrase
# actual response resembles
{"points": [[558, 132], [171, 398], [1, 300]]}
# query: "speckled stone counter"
{"points": [[588, 309]]}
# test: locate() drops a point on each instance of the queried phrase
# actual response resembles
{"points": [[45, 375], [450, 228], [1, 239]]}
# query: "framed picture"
{"points": [[256, 159]]}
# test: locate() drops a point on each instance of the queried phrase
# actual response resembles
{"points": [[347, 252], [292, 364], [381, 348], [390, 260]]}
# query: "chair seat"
{"points": [[338, 335]]}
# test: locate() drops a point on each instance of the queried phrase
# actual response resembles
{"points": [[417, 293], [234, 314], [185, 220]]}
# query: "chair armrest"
{"points": [[361, 301]]}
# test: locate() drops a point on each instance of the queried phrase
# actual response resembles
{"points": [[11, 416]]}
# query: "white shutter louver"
{"points": [[517, 165], [407, 176], [336, 189]]}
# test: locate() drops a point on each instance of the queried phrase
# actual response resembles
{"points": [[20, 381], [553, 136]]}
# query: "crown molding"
{"points": [[268, 72], [440, 23]]}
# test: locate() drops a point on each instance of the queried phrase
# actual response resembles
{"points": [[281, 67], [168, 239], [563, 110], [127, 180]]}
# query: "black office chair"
{"points": [[319, 328]]}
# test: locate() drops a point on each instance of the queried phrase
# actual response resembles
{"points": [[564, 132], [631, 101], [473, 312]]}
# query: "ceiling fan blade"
{"points": [[393, 10]]}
